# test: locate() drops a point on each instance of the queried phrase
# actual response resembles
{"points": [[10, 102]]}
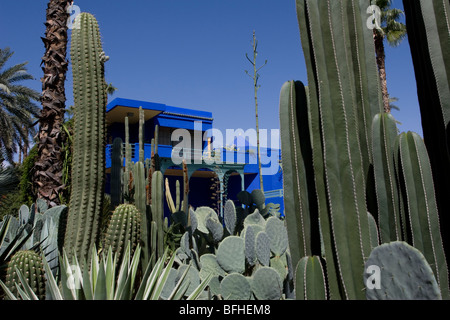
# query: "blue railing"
{"points": [[165, 151], [274, 194]]}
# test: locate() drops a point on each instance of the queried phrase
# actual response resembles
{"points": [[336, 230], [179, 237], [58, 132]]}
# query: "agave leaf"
{"points": [[123, 270], [28, 292], [22, 293], [10, 295], [162, 280], [88, 287], [196, 293], [148, 270], [156, 272], [127, 291], [184, 286], [100, 292], [110, 274], [179, 284], [52, 285], [4, 229], [68, 291], [94, 268]]}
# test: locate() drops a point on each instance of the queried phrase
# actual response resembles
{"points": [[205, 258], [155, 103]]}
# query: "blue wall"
{"points": [[180, 118]]}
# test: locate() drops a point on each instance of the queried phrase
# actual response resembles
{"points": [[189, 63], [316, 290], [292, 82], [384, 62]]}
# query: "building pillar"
{"points": [[220, 176], [242, 181]]}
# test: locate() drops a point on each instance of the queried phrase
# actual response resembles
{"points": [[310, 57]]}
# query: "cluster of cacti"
{"points": [[428, 27], [246, 260], [363, 202], [343, 159], [141, 184], [88, 165], [26, 264]]}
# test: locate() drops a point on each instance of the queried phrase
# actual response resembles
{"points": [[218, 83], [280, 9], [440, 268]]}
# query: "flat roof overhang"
{"points": [[119, 108]]}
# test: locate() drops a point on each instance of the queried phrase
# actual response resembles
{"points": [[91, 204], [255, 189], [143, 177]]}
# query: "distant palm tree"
{"points": [[17, 107], [47, 178], [394, 32], [110, 89], [8, 180]]}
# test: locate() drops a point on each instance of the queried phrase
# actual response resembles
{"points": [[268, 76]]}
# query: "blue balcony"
{"points": [[197, 156]]}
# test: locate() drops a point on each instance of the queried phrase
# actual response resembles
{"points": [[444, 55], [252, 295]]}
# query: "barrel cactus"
{"points": [[124, 227], [30, 265]]}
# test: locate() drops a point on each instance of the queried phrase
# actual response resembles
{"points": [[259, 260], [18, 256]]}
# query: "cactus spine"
{"points": [[88, 166], [338, 112], [30, 265]]}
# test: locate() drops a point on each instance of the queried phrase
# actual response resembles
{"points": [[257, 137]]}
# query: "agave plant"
{"points": [[8, 180], [107, 279]]}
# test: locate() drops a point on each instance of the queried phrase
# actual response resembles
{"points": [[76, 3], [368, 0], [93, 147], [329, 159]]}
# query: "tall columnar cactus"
{"points": [[384, 135], [428, 26], [117, 172], [298, 174], [337, 113], [421, 205], [124, 227], [157, 209], [310, 280], [128, 163], [185, 205], [140, 201], [31, 267], [88, 164], [141, 135]]}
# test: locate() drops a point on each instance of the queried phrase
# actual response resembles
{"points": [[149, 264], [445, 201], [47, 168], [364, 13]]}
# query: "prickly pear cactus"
{"points": [[234, 248], [266, 284], [235, 286], [29, 263], [124, 227], [231, 254], [398, 271]]}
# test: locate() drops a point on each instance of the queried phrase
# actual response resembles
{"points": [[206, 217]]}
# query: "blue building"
{"points": [[216, 168]]}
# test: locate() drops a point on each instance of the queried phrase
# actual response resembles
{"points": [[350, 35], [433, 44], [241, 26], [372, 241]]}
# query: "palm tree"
{"points": [[47, 176], [394, 32], [17, 107]]}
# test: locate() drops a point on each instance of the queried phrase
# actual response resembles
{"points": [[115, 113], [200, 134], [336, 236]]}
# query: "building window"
{"points": [[164, 137]]}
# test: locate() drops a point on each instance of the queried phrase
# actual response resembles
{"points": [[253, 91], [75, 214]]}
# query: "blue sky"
{"points": [[191, 54]]}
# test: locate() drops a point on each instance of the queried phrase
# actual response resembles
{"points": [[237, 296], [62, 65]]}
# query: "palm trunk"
{"points": [[48, 183], [381, 62]]}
